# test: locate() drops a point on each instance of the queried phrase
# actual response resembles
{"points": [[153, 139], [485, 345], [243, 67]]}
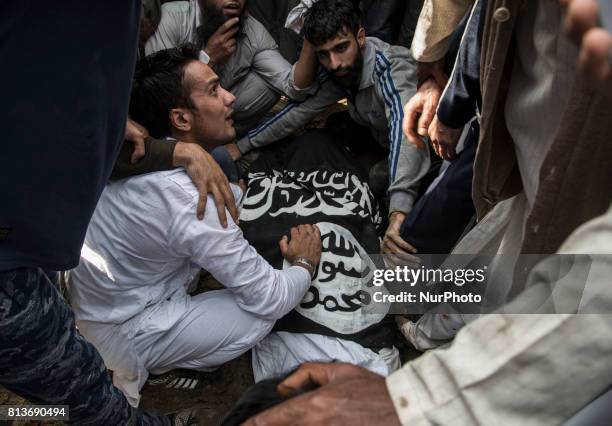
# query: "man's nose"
{"points": [[228, 98], [335, 62]]}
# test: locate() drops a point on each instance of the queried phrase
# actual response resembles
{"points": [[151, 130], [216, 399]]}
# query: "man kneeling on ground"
{"points": [[144, 246]]}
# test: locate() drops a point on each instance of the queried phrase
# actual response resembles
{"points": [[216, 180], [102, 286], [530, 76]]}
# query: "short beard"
{"points": [[352, 79], [212, 19]]}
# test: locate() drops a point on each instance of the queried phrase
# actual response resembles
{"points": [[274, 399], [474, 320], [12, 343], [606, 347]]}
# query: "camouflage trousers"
{"points": [[44, 359]]}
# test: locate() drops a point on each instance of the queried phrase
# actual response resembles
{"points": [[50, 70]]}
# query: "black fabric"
{"points": [[462, 97], [430, 227], [258, 398], [315, 180], [65, 82]]}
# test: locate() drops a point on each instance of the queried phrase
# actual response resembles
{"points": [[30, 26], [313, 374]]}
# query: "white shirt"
{"points": [[144, 244]]}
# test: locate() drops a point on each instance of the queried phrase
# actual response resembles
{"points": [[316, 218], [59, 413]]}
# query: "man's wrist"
{"points": [[306, 264], [426, 70], [211, 59], [244, 145], [185, 153]]}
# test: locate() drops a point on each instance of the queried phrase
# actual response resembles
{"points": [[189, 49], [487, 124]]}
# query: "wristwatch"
{"points": [[204, 58], [307, 263]]}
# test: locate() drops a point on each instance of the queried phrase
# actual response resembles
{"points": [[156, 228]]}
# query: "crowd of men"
{"points": [[138, 150]]}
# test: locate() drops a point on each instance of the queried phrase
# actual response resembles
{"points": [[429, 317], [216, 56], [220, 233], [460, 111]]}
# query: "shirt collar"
{"points": [[369, 61]]}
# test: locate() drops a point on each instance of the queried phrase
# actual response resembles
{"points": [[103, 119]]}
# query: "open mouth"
{"points": [[229, 118], [232, 8]]}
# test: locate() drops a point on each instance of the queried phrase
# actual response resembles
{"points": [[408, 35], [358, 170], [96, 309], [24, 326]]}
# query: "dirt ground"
{"points": [[221, 389]]}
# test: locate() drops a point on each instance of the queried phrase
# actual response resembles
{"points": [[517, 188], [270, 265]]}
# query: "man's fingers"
{"points": [[427, 116], [242, 184], [284, 245], [581, 16], [230, 35], [410, 123], [435, 145], [593, 61], [230, 201], [396, 257], [139, 150], [308, 374], [227, 25], [443, 151], [201, 208], [294, 233], [402, 243], [220, 203], [286, 413]]}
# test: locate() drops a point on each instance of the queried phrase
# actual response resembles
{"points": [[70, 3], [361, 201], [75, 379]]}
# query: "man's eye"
{"points": [[342, 48]]}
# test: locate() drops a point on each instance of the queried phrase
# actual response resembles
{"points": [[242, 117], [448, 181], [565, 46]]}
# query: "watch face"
{"points": [[204, 58]]}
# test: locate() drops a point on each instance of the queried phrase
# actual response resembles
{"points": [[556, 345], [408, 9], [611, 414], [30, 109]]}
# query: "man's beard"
{"points": [[212, 19], [350, 81]]}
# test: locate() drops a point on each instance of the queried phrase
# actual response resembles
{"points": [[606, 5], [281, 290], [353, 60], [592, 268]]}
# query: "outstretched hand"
{"points": [[420, 111], [346, 395]]}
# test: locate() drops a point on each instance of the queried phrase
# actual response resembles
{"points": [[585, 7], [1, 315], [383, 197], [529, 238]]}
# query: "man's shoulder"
{"points": [[257, 34], [171, 184], [394, 67], [178, 7], [389, 55]]}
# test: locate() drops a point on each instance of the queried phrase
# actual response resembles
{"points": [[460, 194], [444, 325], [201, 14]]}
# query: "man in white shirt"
{"points": [[144, 246]]}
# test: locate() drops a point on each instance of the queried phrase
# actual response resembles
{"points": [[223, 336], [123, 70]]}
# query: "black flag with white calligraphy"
{"points": [[315, 180]]}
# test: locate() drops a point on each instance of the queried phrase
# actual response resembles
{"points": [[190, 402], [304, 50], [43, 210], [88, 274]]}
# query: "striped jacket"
{"points": [[388, 81]]}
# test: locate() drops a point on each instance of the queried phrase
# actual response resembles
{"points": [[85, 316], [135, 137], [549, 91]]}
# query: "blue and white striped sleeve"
{"points": [[291, 118], [396, 84]]}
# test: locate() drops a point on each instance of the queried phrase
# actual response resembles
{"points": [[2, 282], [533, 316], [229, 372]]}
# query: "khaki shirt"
{"points": [[436, 24]]}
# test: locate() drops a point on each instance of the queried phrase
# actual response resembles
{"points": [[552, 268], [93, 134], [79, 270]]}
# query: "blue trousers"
{"points": [[439, 217], [224, 159], [45, 360]]}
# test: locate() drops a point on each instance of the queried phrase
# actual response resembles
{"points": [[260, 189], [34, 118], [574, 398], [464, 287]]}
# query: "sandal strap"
{"points": [[173, 380]]}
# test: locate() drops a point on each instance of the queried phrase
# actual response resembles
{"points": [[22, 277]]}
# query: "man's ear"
{"points": [[181, 119], [361, 37]]}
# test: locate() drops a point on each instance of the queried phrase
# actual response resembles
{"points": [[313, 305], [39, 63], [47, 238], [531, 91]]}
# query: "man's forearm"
{"points": [[159, 156], [412, 165], [306, 67]]}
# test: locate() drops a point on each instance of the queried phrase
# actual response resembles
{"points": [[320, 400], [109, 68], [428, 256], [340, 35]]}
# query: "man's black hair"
{"points": [[328, 18], [159, 87]]}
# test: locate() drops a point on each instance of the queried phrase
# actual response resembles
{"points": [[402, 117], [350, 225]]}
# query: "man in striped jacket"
{"points": [[376, 79]]}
